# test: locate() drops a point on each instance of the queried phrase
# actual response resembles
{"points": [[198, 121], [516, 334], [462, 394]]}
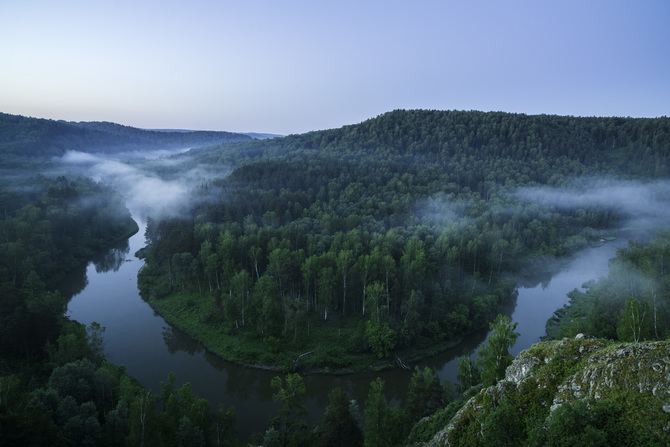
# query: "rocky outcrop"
{"points": [[551, 374]]}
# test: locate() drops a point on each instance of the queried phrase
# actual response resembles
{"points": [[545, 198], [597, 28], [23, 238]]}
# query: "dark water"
{"points": [[535, 304], [150, 348]]}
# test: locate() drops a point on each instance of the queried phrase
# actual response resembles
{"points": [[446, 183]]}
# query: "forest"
{"points": [[344, 250], [23, 138], [629, 304], [400, 234]]}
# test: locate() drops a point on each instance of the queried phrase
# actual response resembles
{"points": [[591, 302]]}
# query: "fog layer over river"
{"points": [[106, 292], [150, 348]]}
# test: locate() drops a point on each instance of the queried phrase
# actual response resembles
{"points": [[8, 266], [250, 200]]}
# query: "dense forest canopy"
{"points": [[51, 226], [444, 136], [401, 231], [345, 249]]}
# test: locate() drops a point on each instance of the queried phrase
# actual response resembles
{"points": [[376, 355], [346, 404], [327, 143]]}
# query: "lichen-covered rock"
{"points": [[627, 368], [551, 374]]}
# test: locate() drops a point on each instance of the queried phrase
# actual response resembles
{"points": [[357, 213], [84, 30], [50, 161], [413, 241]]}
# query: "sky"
{"points": [[290, 66]]}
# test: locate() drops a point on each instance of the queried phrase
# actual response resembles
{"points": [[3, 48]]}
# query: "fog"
{"points": [[146, 193], [642, 205]]}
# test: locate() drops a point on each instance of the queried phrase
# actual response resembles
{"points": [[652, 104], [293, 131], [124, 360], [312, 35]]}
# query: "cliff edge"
{"points": [[572, 391]]}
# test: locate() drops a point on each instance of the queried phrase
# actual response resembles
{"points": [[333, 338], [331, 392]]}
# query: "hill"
{"points": [[579, 391], [34, 137], [438, 137], [391, 237]]}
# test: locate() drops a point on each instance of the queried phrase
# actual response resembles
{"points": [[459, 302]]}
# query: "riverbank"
{"points": [[196, 316]]}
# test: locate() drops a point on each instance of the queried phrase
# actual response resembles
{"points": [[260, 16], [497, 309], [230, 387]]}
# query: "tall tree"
{"points": [[425, 394], [635, 321], [383, 425], [289, 391], [339, 425], [345, 261], [468, 373], [495, 357]]}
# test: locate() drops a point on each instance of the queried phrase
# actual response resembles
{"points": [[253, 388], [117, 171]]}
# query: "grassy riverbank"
{"points": [[337, 346]]}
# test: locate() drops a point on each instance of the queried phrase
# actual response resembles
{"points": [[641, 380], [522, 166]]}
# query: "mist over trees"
{"points": [[632, 303], [401, 231], [338, 250], [22, 137]]}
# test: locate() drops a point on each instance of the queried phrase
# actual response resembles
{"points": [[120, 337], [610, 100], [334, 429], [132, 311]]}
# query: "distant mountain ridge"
{"points": [[639, 145], [36, 137]]}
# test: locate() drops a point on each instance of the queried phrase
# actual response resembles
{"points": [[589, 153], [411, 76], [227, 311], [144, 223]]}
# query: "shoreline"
{"points": [[397, 360]]}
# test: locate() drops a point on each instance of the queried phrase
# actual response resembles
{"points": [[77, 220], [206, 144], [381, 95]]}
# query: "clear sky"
{"points": [[294, 66]]}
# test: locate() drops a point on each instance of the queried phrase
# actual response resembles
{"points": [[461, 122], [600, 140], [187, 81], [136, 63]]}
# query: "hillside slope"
{"points": [[34, 137], [433, 211], [578, 391]]}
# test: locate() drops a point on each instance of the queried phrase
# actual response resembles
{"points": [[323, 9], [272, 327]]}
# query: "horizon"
{"points": [[261, 132], [296, 67]]}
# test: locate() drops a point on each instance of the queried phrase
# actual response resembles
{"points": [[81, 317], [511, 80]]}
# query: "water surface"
{"points": [[150, 348]]}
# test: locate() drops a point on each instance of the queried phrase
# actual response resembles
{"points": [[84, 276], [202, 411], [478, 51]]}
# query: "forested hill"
{"points": [[637, 145], [34, 137], [397, 234]]}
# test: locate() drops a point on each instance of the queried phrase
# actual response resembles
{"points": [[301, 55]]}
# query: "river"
{"points": [[150, 348]]}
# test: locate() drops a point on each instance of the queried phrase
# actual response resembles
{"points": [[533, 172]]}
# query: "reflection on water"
{"points": [[74, 282], [111, 260], [537, 299], [106, 292], [176, 340]]}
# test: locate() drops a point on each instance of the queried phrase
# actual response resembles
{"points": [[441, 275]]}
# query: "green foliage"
{"points": [[59, 225], [34, 137], [340, 423], [384, 425], [289, 391], [601, 422], [412, 219], [426, 429], [425, 395], [495, 357], [635, 322], [380, 337], [391, 234], [629, 304], [574, 392], [503, 425], [225, 433], [469, 374]]}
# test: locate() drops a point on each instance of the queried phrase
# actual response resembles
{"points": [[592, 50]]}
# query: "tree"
{"points": [[383, 425], [241, 283], [189, 434], [495, 356], [345, 261], [380, 338], [374, 301], [142, 415], [96, 341], [224, 426], [635, 321], [209, 259], [289, 391], [468, 373], [267, 299], [116, 424], [226, 248], [425, 394], [340, 425], [503, 425], [326, 289], [591, 422]]}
